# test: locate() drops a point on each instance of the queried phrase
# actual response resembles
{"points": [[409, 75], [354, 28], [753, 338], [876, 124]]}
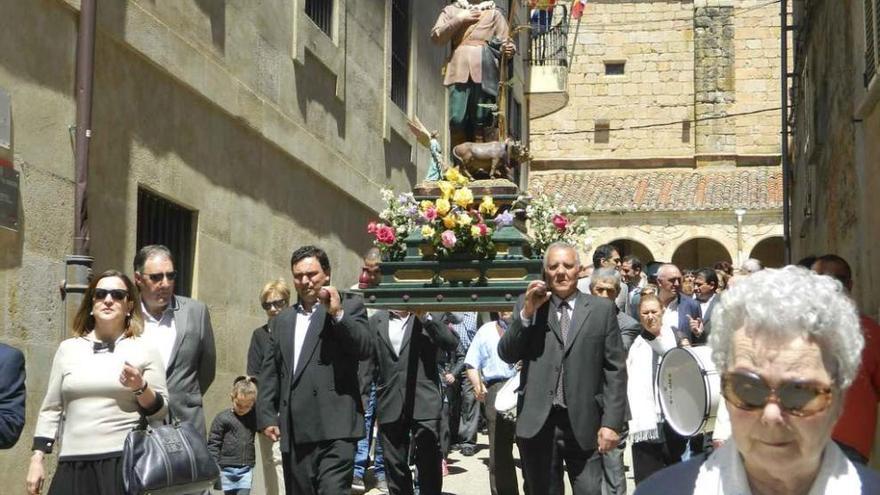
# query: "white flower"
{"points": [[385, 215], [387, 194], [401, 229]]}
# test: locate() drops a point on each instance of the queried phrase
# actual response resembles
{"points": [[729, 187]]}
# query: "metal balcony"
{"points": [[548, 63]]}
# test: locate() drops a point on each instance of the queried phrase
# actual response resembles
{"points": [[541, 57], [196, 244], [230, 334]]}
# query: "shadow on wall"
{"points": [[316, 85], [216, 11], [190, 140]]}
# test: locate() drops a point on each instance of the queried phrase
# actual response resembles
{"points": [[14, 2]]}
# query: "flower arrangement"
{"points": [[550, 221], [395, 223], [454, 223]]}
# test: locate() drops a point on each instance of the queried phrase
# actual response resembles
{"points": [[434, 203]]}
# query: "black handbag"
{"points": [[170, 459]]}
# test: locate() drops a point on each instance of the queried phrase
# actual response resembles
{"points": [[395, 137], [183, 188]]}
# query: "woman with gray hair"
{"points": [[787, 344]]}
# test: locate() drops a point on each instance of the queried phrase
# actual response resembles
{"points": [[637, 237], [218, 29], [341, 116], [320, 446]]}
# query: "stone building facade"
{"points": [[679, 99], [835, 147], [255, 127]]}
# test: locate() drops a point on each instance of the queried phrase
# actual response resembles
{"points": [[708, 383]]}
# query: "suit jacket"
{"points": [[408, 385], [688, 306], [594, 361], [467, 42], [193, 362], [12, 395], [707, 318], [320, 399]]}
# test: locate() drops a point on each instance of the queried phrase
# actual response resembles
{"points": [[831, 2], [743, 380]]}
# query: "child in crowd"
{"points": [[231, 441]]}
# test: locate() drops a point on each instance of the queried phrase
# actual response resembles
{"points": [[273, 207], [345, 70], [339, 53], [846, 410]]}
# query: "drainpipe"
{"points": [[78, 266], [786, 166]]}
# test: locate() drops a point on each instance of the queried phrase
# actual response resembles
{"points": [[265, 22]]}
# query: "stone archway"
{"points": [[770, 251], [700, 252], [628, 246]]}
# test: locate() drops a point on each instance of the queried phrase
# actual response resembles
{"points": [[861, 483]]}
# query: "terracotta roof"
{"points": [[753, 188]]}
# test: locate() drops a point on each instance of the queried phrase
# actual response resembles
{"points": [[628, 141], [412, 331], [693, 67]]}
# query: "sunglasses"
{"points": [[157, 277], [277, 304], [750, 392], [245, 378], [116, 294]]}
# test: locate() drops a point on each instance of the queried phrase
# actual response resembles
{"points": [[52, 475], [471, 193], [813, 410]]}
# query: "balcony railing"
{"points": [[548, 62]]}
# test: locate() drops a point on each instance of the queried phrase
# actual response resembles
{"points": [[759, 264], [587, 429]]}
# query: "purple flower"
{"points": [[503, 219]]}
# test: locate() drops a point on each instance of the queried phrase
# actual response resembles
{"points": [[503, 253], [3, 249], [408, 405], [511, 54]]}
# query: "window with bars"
{"points": [[400, 52], [872, 24], [160, 221], [321, 13]]}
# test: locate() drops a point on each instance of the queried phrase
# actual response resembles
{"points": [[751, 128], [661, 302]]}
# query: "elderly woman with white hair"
{"points": [[787, 343]]}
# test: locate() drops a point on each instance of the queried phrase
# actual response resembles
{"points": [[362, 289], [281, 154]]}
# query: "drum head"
{"points": [[684, 391]]}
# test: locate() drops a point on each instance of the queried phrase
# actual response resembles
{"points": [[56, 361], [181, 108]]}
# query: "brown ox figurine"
{"points": [[490, 159]]}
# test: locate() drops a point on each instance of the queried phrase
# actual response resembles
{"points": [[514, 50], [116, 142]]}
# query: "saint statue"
{"points": [[480, 37]]}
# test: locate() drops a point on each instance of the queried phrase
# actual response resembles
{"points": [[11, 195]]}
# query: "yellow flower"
{"points": [[428, 231], [475, 231], [487, 207], [463, 197], [446, 188], [449, 222], [426, 204], [462, 180], [452, 174], [464, 219], [443, 206]]}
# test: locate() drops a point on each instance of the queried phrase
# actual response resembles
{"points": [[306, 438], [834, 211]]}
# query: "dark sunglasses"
{"points": [[750, 392], [116, 294], [157, 277], [277, 304], [245, 378]]}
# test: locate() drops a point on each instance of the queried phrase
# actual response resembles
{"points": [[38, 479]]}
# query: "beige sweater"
{"points": [[86, 401]]}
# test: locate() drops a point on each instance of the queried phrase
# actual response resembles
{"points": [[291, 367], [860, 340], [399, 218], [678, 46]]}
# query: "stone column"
{"points": [[714, 82]]}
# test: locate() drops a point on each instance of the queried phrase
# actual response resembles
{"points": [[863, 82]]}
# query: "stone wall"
{"points": [[835, 148], [275, 134], [688, 65]]}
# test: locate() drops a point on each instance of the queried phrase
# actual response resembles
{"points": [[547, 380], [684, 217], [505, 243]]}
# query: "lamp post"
{"points": [[740, 213]]}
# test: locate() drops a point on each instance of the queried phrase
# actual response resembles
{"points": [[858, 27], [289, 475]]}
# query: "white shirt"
{"points": [[161, 333], [670, 318], [303, 321], [396, 329], [704, 306]]}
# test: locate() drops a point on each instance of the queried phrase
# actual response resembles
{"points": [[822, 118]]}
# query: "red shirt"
{"points": [[858, 422]]}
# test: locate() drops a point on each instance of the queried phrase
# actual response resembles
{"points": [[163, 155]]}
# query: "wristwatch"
{"points": [[140, 391]]}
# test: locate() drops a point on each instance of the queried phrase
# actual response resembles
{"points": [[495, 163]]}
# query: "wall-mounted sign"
{"points": [[9, 185]]}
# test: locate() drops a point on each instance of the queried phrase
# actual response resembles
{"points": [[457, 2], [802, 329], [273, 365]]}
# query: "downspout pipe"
{"points": [[85, 71], [786, 165]]}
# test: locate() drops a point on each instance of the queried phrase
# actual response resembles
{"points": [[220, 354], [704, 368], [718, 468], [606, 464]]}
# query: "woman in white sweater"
{"points": [[102, 380]]}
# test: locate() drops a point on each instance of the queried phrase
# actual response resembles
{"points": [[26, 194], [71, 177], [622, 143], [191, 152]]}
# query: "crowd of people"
{"points": [[336, 398]]}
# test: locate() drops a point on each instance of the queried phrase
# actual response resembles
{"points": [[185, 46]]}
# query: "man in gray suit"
{"points": [[180, 328], [572, 404]]}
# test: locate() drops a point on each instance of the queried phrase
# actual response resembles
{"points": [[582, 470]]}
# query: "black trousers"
{"points": [[395, 438], [321, 468], [470, 414], [650, 457], [544, 454], [502, 471]]}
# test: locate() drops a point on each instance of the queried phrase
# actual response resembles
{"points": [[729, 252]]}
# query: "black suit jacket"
{"points": [[12, 395], [320, 399], [595, 367], [408, 385]]}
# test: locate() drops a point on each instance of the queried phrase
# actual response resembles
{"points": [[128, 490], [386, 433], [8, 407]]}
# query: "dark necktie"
{"points": [[103, 346], [564, 324]]}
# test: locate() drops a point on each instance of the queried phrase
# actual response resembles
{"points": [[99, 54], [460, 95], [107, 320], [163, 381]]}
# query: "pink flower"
{"points": [[448, 239], [371, 227], [385, 235], [431, 214], [560, 222]]}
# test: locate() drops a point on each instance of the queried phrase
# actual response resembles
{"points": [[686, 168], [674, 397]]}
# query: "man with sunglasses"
{"points": [[180, 329], [682, 314], [310, 370], [606, 256], [857, 424]]}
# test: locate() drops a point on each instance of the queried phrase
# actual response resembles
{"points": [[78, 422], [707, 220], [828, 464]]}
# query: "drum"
{"points": [[505, 400], [690, 389]]}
